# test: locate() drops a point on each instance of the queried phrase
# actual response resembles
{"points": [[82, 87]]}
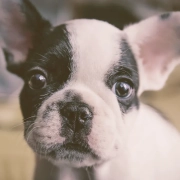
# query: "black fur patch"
{"points": [[128, 61], [165, 16], [125, 68], [54, 56]]}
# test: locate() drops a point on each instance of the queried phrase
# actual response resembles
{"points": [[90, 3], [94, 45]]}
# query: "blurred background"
{"points": [[16, 158]]}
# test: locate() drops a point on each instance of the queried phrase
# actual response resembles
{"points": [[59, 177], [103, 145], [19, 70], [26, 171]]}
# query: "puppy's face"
{"points": [[82, 79], [79, 85]]}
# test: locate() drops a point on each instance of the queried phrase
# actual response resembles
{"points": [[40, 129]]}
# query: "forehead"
{"points": [[80, 49], [96, 46]]}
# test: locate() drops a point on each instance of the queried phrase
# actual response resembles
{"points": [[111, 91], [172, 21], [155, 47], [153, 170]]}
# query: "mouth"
{"points": [[69, 151], [76, 147]]}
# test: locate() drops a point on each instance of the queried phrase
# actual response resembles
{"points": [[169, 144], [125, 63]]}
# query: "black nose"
{"points": [[77, 114]]}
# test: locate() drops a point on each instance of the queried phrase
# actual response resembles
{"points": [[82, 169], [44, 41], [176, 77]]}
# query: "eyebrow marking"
{"points": [[126, 67]]}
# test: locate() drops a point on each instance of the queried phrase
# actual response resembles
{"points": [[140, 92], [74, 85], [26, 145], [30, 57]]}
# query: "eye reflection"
{"points": [[37, 81]]}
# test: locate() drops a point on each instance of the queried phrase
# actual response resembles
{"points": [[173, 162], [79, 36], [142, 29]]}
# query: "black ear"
{"points": [[21, 29]]}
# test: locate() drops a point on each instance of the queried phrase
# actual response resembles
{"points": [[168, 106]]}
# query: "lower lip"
{"points": [[69, 149], [75, 147]]}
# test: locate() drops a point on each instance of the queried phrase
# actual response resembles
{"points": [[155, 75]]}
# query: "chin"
{"points": [[70, 154]]}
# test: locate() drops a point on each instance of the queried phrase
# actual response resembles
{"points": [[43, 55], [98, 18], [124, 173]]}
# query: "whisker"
{"points": [[24, 122], [29, 128], [42, 56], [44, 94], [30, 133]]}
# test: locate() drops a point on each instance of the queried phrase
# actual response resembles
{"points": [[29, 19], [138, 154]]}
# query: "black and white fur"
{"points": [[76, 121]]}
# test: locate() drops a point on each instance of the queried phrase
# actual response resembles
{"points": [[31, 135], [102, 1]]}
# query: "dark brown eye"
{"points": [[123, 88], [37, 81]]}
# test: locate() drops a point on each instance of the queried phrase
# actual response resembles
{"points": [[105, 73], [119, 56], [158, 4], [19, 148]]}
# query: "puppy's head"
{"points": [[82, 79]]}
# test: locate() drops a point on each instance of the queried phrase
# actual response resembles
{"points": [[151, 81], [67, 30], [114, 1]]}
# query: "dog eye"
{"points": [[37, 81], [123, 88]]}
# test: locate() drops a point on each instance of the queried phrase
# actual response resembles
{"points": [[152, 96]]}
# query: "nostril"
{"points": [[68, 113], [84, 114]]}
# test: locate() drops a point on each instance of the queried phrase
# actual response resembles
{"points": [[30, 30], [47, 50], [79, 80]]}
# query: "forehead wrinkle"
{"points": [[96, 45]]}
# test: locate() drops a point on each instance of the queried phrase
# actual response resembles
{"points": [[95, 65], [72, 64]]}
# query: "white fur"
{"points": [[94, 43], [152, 151]]}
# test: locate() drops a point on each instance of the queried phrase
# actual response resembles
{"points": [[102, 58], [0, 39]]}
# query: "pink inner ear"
{"points": [[14, 29], [22, 38], [160, 48], [156, 44]]}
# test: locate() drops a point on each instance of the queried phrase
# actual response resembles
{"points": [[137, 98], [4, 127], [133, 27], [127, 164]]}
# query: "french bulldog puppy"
{"points": [[80, 100]]}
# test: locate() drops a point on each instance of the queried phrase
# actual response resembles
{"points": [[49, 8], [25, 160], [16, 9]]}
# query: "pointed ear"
{"points": [[21, 28], [156, 45]]}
